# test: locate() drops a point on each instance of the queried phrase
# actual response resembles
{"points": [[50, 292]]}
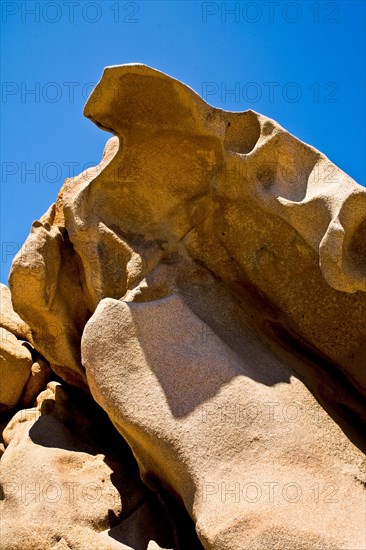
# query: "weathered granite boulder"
{"points": [[238, 437], [15, 369], [23, 371], [233, 191], [9, 319], [206, 282], [69, 481]]}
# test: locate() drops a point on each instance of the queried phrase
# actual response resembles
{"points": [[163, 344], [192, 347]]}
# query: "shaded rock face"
{"points": [[72, 482], [206, 285]]}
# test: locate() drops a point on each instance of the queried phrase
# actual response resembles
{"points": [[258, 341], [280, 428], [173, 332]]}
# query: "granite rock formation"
{"points": [[71, 482], [23, 371], [205, 284]]}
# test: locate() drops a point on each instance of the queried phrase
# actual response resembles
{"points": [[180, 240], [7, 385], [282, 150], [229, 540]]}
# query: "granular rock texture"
{"points": [[23, 372], [205, 284], [67, 477]]}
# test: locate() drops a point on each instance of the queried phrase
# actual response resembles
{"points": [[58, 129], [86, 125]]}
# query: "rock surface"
{"points": [[206, 282], [239, 438], [251, 202], [9, 319], [39, 376], [15, 368], [23, 371], [71, 482]]}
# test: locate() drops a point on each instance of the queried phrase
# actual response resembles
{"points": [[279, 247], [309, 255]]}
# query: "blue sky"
{"points": [[301, 63]]}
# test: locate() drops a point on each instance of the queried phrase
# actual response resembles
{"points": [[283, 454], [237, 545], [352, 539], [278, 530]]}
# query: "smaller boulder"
{"points": [[9, 319], [15, 369]]}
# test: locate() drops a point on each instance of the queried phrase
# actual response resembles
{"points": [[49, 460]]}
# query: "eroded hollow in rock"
{"points": [[205, 285]]}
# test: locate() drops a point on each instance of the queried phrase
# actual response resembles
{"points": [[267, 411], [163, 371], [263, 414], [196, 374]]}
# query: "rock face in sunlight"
{"points": [[205, 285], [23, 372]]}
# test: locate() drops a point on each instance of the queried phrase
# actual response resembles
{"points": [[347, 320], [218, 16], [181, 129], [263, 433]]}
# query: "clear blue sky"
{"points": [[301, 63]]}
